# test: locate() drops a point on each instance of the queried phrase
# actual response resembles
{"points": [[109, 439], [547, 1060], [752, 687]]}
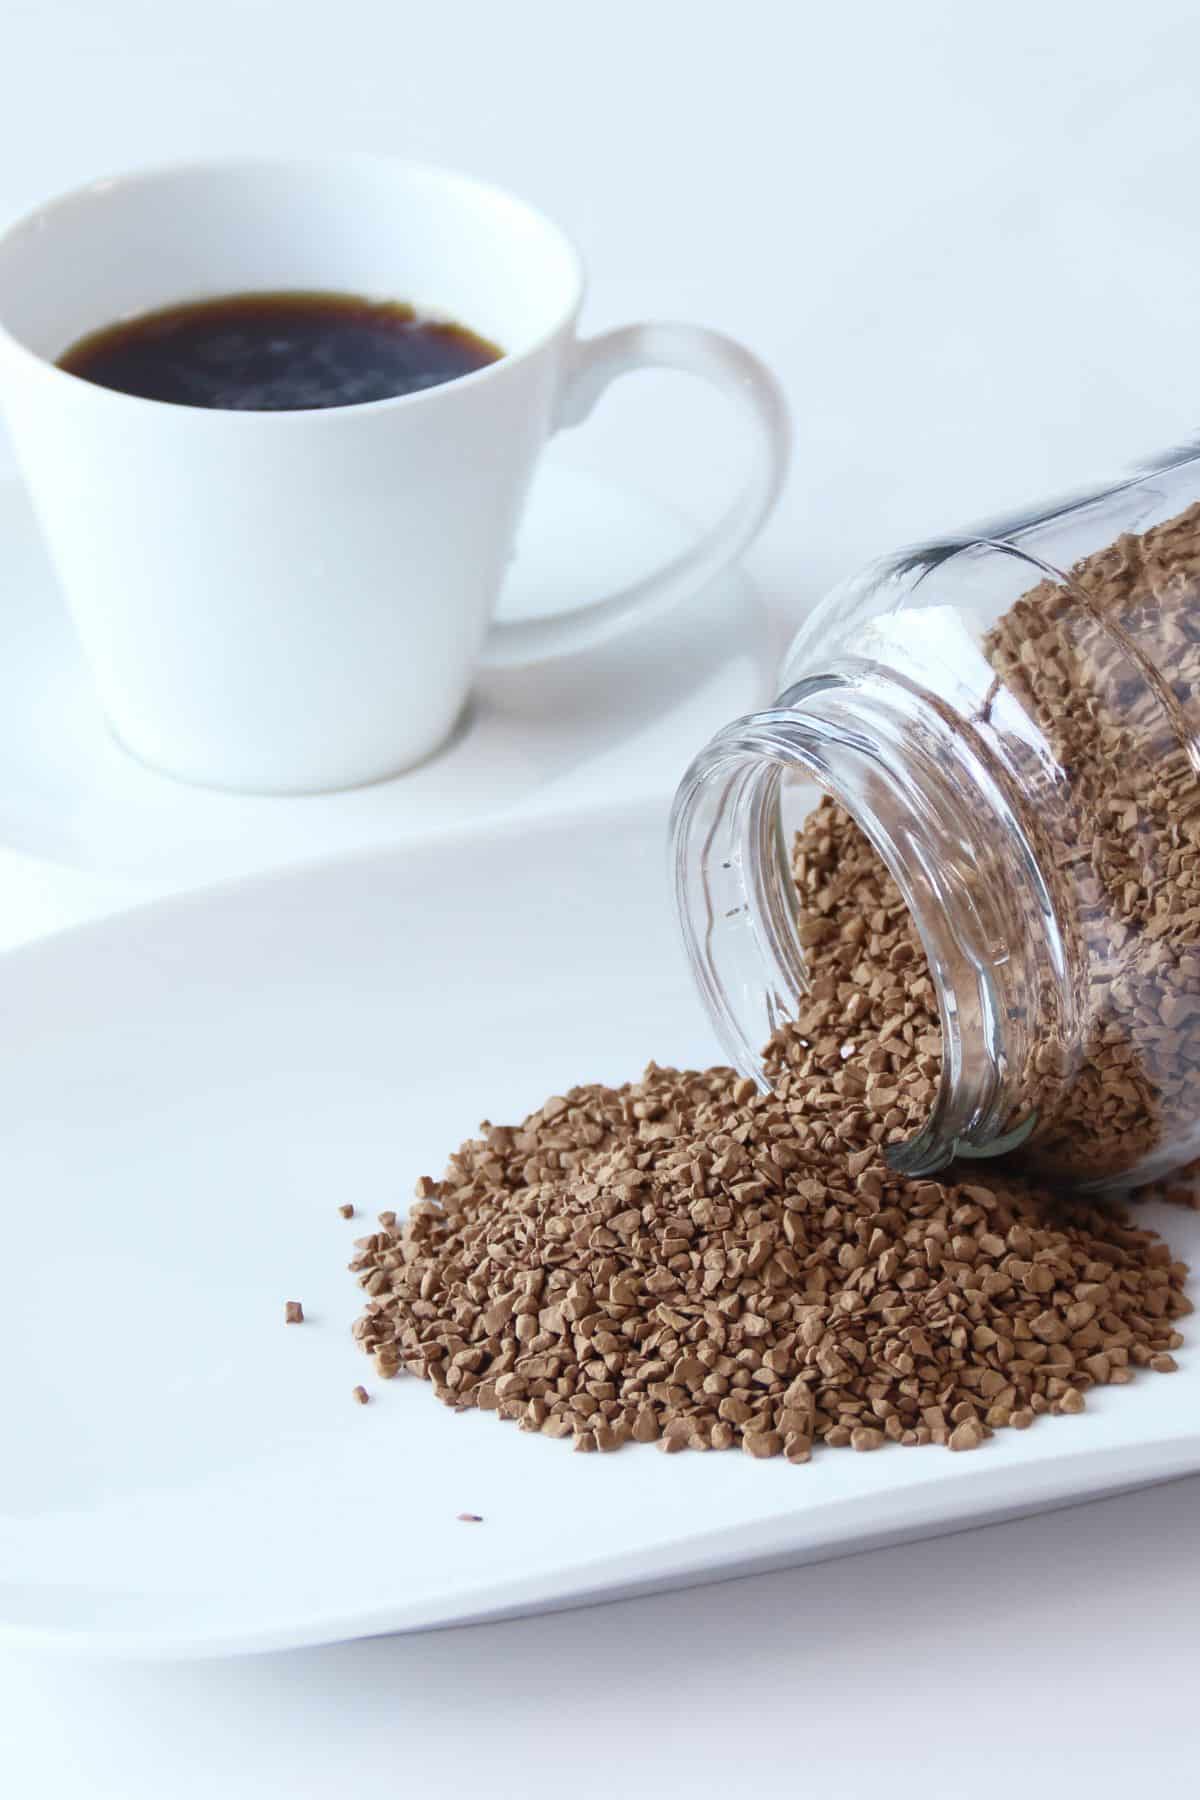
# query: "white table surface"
{"points": [[967, 240]]}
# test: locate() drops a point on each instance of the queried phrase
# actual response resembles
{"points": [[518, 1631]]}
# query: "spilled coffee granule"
{"points": [[686, 1261], [863, 1061]]}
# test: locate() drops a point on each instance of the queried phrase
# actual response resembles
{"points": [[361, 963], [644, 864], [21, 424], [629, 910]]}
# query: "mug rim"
{"points": [[275, 160]]}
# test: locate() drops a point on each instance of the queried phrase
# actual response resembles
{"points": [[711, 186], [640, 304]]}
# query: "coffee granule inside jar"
{"points": [[1104, 671], [687, 1261]]}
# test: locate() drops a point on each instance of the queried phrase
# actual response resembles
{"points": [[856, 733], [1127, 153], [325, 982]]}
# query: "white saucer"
{"points": [[617, 723], [187, 1094]]}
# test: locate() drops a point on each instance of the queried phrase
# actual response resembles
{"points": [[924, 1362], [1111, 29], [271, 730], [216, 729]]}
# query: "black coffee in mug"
{"points": [[278, 352]]}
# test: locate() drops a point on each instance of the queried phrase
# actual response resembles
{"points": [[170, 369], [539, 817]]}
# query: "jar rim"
{"points": [[931, 807]]}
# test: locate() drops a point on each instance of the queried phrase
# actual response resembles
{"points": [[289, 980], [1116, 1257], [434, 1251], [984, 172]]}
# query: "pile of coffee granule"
{"points": [[686, 1261]]}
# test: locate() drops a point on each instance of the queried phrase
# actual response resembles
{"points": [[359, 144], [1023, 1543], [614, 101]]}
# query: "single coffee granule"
{"points": [[687, 1261], [470, 1518], [361, 1395], [293, 1313], [347, 1211]]}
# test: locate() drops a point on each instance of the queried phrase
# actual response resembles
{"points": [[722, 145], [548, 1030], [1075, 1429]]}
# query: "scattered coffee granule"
{"points": [[293, 1313], [686, 1261], [361, 1395], [346, 1211], [470, 1518]]}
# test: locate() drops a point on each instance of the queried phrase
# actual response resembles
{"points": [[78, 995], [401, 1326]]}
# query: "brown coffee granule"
{"points": [[361, 1395], [682, 1281], [347, 1211], [688, 1261], [293, 1313], [1107, 668], [470, 1518], [865, 1055]]}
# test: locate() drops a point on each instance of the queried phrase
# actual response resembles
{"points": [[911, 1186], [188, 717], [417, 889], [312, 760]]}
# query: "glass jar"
{"points": [[1011, 717]]}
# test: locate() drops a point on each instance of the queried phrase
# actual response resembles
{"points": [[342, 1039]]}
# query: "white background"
{"points": [[968, 237]]}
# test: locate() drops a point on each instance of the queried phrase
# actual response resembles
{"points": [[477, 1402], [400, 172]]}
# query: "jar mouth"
{"points": [[935, 813]]}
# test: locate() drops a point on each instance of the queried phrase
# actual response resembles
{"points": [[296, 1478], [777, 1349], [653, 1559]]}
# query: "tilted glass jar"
{"points": [[1013, 719]]}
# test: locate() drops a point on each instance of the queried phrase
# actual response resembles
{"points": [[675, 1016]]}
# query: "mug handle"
{"points": [[724, 364]]}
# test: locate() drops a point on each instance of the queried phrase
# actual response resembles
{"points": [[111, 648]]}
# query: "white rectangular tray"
{"points": [[189, 1092]]}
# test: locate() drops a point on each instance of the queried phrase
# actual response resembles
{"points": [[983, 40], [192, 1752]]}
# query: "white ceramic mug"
{"points": [[287, 602]]}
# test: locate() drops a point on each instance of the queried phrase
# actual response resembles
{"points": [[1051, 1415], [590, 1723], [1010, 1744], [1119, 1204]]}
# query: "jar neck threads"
{"points": [[934, 806]]}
